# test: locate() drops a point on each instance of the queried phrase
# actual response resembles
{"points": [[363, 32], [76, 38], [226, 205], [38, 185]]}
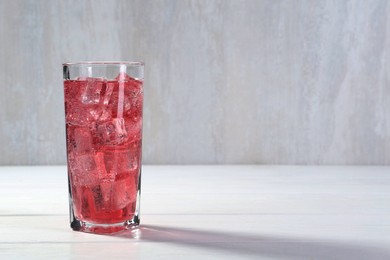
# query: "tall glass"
{"points": [[103, 111]]}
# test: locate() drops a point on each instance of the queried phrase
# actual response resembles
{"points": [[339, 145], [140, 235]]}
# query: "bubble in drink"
{"points": [[112, 132], [91, 89]]}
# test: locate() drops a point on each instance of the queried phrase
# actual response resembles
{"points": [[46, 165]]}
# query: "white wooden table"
{"points": [[209, 212]]}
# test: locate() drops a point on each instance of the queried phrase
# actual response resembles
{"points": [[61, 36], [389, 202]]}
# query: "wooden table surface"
{"points": [[209, 212]]}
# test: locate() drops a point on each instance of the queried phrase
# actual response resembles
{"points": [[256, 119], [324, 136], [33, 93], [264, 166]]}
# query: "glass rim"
{"points": [[115, 63]]}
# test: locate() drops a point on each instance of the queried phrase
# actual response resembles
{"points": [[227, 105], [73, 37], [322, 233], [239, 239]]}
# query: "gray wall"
{"points": [[297, 82]]}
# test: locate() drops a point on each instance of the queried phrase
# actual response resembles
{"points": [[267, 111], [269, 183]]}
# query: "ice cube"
{"points": [[119, 161], [91, 88], [86, 203], [103, 202], [121, 107], [103, 174], [102, 191], [87, 169], [77, 114], [100, 113], [83, 169], [106, 114], [87, 101], [135, 100], [112, 132], [108, 92], [82, 140], [125, 190], [134, 129], [132, 89], [118, 104]]}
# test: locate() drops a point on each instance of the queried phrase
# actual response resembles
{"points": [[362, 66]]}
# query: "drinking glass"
{"points": [[103, 114]]}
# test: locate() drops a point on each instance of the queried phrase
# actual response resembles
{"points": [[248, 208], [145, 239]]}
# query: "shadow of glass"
{"points": [[255, 245]]}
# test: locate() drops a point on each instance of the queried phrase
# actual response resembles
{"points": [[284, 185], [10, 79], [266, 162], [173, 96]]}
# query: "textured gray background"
{"points": [[297, 82]]}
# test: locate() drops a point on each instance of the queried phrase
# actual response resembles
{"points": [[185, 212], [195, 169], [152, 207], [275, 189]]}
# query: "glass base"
{"points": [[83, 226]]}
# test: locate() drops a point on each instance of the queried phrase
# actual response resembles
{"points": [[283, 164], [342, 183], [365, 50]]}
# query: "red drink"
{"points": [[104, 134]]}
